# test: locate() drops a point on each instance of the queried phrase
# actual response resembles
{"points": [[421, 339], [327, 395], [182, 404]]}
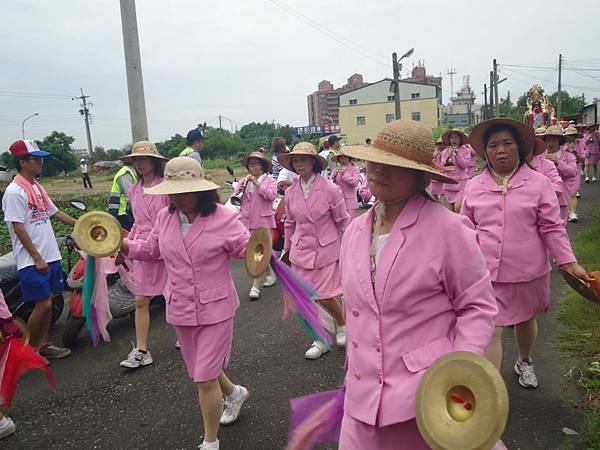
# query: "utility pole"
{"points": [[558, 102], [133, 68], [396, 70], [220, 127], [491, 112], [485, 102], [85, 112], [451, 72], [496, 106]]}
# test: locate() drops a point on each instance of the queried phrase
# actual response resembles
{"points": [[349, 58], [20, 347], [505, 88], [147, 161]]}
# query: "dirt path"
{"points": [[537, 416]]}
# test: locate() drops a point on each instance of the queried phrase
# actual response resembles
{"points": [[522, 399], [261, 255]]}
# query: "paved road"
{"points": [[98, 405]]}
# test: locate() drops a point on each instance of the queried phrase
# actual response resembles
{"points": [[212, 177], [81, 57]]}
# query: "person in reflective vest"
{"points": [[195, 143], [118, 204]]}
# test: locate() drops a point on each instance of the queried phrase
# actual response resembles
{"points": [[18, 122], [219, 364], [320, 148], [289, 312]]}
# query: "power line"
{"points": [[340, 39], [581, 72]]}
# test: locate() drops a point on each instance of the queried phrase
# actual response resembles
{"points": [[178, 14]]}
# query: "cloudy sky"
{"points": [[256, 60]]}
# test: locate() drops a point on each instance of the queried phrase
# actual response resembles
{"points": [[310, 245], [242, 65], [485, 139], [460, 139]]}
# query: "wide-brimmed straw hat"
{"points": [[571, 131], [540, 131], [446, 136], [556, 130], [144, 149], [257, 155], [182, 174], [301, 149], [523, 130], [336, 156], [401, 143]]}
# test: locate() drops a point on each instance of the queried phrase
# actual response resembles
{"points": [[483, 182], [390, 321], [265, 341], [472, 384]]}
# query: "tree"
{"points": [[6, 161], [172, 147], [113, 154], [62, 159], [569, 104], [508, 110], [98, 154]]}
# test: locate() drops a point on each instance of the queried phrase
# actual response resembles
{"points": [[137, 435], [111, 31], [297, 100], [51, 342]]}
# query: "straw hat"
{"points": [[304, 149], [146, 149], [446, 136], [522, 129], [572, 132], [336, 156], [439, 141], [556, 130], [540, 131], [258, 155], [401, 143], [182, 175]]}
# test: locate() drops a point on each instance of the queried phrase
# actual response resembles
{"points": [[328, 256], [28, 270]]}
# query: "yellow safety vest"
{"points": [[123, 200]]}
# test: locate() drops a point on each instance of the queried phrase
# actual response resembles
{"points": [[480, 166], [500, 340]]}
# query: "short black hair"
{"points": [[263, 164], [515, 135], [333, 139], [193, 136]]}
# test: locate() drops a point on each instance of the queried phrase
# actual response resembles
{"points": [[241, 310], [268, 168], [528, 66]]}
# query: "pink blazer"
{"points": [[568, 171], [200, 290], [543, 165], [432, 295], [365, 192], [313, 226], [348, 178], [4, 311], [462, 161], [257, 207], [517, 230], [149, 277]]}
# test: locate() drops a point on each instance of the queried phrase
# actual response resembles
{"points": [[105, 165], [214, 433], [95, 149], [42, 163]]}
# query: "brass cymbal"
{"points": [[258, 253], [98, 234], [582, 287], [461, 403]]}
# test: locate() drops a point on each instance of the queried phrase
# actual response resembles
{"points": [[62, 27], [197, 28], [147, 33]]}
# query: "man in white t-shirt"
{"points": [[285, 179], [83, 168], [27, 212]]}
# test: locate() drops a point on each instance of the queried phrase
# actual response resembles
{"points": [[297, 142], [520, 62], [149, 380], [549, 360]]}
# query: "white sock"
{"points": [[4, 422], [211, 445], [235, 394]]}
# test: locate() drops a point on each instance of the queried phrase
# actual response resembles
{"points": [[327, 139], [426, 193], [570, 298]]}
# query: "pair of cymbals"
{"points": [[98, 234], [589, 291], [258, 253]]}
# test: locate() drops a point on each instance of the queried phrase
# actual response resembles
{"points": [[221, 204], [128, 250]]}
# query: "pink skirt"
{"points": [[326, 280], [592, 160], [149, 277], [519, 302], [206, 349]]}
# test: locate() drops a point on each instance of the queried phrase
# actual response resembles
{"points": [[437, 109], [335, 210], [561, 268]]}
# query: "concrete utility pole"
{"points": [[85, 112], [491, 112], [496, 98], [558, 99], [133, 67], [485, 102], [396, 70], [451, 72]]}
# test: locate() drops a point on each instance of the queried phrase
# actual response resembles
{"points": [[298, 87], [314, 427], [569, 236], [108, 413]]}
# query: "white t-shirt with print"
{"points": [[37, 225]]}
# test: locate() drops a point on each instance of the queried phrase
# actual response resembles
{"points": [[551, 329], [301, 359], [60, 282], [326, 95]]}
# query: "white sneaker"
{"points": [[177, 344], [231, 408], [587, 179], [573, 217], [340, 336], [270, 280], [578, 194], [7, 427], [593, 179], [137, 359], [254, 293], [316, 350], [527, 377], [211, 446]]}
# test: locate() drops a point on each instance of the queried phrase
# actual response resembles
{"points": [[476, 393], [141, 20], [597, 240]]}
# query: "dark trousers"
{"points": [[86, 181]]}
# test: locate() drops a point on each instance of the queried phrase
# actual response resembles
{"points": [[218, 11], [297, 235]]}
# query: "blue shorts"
{"points": [[37, 286]]}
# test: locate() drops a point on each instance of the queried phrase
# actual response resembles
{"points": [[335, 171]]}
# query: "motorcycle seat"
{"points": [[8, 268]]}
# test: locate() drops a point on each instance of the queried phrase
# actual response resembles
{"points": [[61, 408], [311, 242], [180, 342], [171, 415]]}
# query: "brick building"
{"points": [[323, 104]]}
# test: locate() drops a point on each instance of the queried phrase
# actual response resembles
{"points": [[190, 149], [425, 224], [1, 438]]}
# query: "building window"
{"points": [[415, 95], [361, 121], [353, 101], [391, 98], [389, 118], [416, 116]]}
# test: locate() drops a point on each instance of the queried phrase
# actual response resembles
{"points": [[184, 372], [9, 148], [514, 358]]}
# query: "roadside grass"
{"points": [[579, 336]]}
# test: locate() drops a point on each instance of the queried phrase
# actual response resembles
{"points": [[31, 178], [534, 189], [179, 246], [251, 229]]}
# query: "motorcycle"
{"points": [[121, 300], [234, 203]]}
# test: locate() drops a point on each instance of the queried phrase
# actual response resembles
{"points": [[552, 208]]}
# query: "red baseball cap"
{"points": [[26, 147]]}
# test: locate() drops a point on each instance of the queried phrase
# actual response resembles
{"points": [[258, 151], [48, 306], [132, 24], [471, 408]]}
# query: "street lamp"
{"points": [[23, 123], [397, 68]]}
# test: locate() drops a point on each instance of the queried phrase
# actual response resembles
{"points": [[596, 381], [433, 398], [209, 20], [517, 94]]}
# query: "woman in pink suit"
{"points": [[196, 238], [260, 189], [347, 177], [410, 295], [149, 277], [457, 156], [566, 164], [539, 162], [574, 147], [592, 154], [517, 218], [315, 218]]}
